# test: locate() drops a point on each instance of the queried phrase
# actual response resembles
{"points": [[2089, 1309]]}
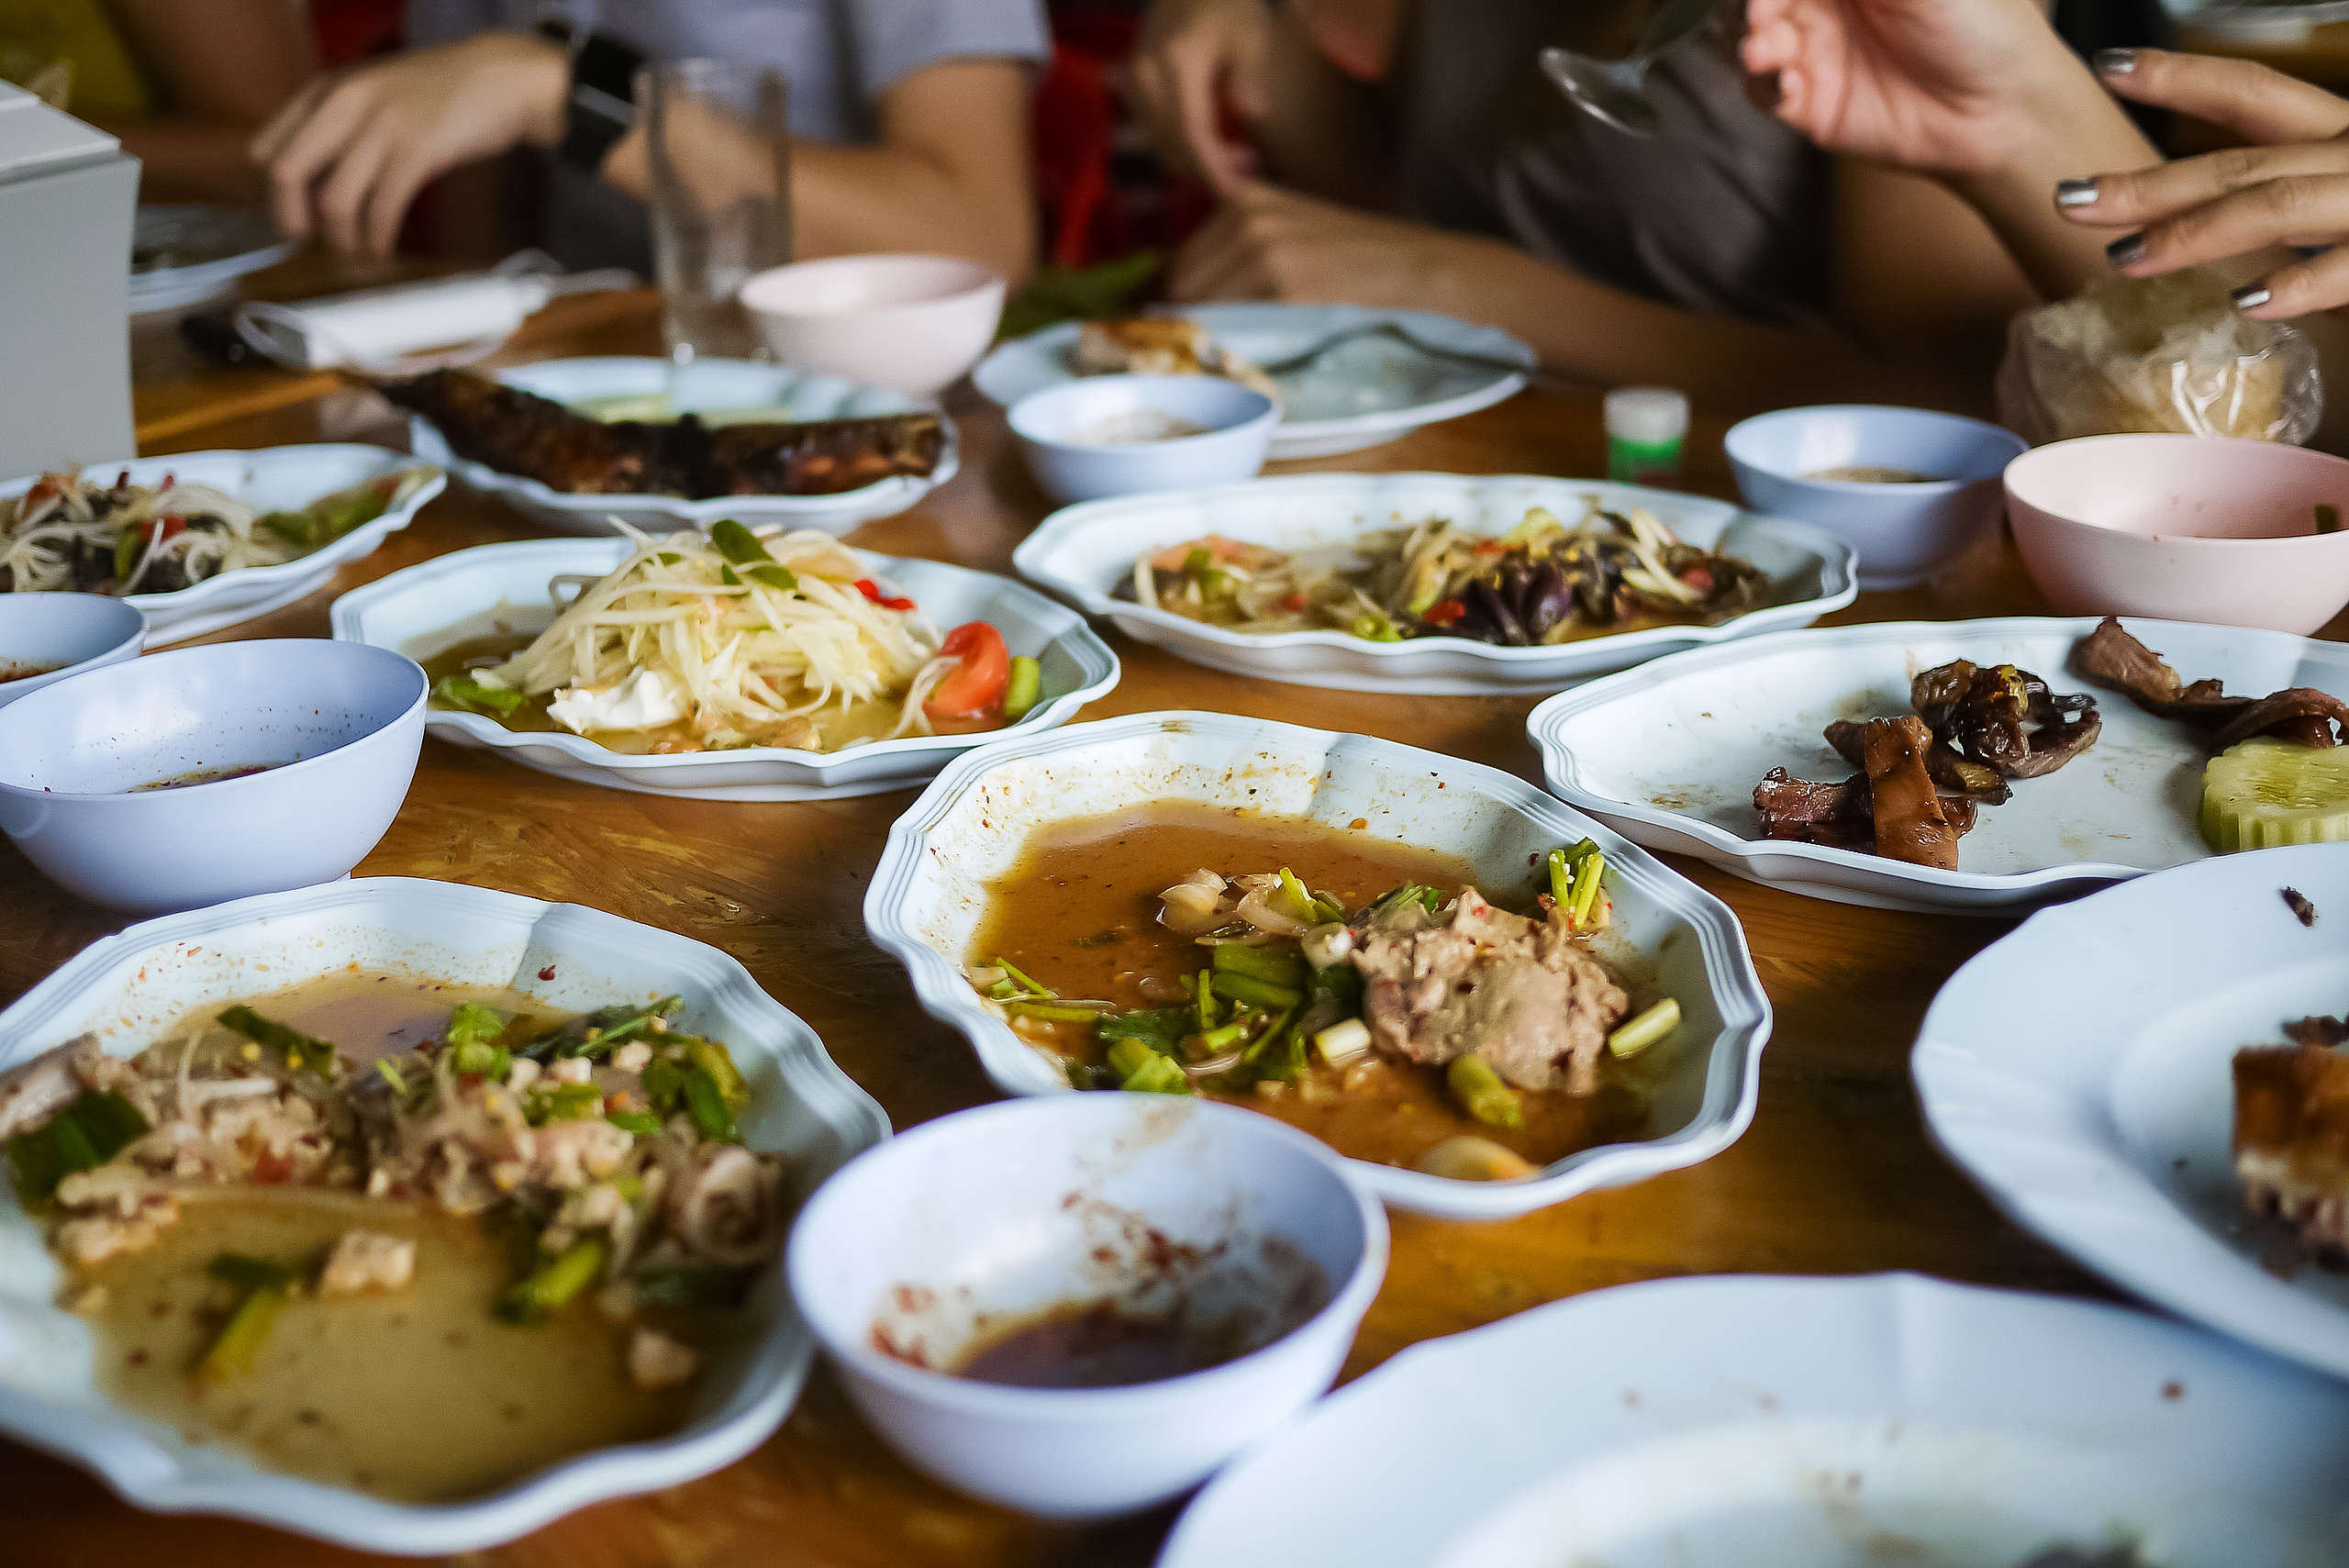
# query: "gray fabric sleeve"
{"points": [[893, 38]]}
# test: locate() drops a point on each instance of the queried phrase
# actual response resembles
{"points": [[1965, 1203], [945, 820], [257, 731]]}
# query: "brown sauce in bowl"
{"points": [[1079, 912], [25, 672], [1100, 1344]]}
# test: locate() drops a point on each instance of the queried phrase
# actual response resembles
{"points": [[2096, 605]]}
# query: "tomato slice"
{"points": [[975, 686], [1444, 612]]}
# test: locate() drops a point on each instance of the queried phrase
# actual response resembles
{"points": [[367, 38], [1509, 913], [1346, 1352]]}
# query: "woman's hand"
{"points": [[348, 154], [1196, 59], [2291, 188], [1269, 243], [1949, 87]]}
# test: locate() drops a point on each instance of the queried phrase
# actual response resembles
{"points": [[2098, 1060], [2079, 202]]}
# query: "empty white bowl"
{"points": [[983, 1219], [336, 726], [1904, 532], [62, 635], [1094, 437], [911, 324]]}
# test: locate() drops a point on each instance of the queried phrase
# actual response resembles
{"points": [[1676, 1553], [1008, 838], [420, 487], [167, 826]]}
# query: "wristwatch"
{"points": [[599, 104]]}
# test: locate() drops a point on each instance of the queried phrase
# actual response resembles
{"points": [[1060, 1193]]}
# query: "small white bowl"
{"points": [[997, 1214], [1904, 532], [339, 726], [62, 635], [1070, 437], [911, 324]]}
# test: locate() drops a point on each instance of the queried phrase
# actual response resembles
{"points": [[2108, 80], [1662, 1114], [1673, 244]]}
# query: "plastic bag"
{"points": [[2166, 353]]}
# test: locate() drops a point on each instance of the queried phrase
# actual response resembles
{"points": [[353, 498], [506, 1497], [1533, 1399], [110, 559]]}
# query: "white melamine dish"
{"points": [[505, 588], [337, 726], [1760, 1422], [271, 479], [1061, 433], [999, 1214], [1360, 394], [127, 986], [721, 386], [930, 895], [63, 634], [1085, 552], [1669, 754], [2078, 1070]]}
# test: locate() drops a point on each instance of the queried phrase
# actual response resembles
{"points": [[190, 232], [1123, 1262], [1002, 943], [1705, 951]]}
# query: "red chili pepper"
{"points": [[1697, 577], [871, 590], [1444, 612], [163, 527], [1296, 601], [1491, 547]]}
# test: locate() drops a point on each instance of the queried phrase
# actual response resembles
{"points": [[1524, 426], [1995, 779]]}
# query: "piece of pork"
{"points": [[367, 1261], [1521, 993]]}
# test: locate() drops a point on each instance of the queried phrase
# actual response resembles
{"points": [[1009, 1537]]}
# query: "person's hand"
{"points": [[1196, 59], [348, 154], [2291, 187], [1934, 87], [1269, 243]]}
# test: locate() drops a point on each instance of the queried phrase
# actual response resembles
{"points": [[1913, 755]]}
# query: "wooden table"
{"points": [[1835, 1176]]}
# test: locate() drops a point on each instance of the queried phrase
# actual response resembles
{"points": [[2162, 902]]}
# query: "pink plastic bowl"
{"points": [[911, 324], [2184, 528]]}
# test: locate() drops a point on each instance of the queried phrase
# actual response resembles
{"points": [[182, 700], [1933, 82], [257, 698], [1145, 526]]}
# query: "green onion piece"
{"points": [[2328, 517], [300, 1050], [1144, 1071], [1299, 902], [643, 1124], [473, 1024], [128, 543], [712, 1117], [1587, 884], [1020, 691], [481, 1059], [1059, 1012], [1028, 985], [1483, 1094], [532, 1300], [1268, 965], [1650, 1026], [1562, 880], [600, 1031], [266, 1288], [93, 1130], [1279, 1052], [1327, 909], [560, 1101], [1161, 1028], [1255, 993], [1080, 1076], [392, 1075], [1204, 1000], [457, 691], [1342, 1042], [1226, 1036]]}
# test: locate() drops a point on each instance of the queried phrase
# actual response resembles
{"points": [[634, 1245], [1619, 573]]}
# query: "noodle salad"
{"points": [[68, 533], [730, 639]]}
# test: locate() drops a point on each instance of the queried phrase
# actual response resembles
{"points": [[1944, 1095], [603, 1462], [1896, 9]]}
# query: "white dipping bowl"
{"points": [[1060, 431], [1904, 532], [997, 1214], [340, 724], [911, 324], [63, 634]]}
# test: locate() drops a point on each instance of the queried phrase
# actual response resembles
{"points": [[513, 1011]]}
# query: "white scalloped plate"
{"points": [[1359, 394], [274, 479], [1760, 1422], [703, 384], [471, 593], [2077, 1069], [1669, 754], [930, 894], [127, 986], [1082, 553]]}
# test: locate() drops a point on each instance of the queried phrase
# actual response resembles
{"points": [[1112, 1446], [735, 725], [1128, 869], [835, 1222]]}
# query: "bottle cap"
{"points": [[1647, 415]]}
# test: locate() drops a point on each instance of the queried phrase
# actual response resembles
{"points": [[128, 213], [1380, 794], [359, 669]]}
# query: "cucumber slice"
{"points": [[2267, 792]]}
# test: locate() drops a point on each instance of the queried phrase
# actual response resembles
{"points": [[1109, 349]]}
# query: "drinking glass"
{"points": [[719, 146]]}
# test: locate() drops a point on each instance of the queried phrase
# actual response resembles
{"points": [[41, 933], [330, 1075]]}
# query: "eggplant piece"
{"points": [[1909, 823], [1950, 772], [1815, 813], [2005, 718], [1548, 600], [1482, 596]]}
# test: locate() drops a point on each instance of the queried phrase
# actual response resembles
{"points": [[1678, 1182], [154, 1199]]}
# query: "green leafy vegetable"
{"points": [[300, 1050], [643, 1124], [553, 1282], [93, 1130], [460, 691], [740, 546], [264, 1289]]}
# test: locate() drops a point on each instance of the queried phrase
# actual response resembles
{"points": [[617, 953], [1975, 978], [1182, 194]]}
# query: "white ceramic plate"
{"points": [[716, 385], [213, 246], [504, 587], [1359, 394], [930, 895], [2078, 1070], [274, 479], [128, 985], [1084, 552], [1669, 754], [1763, 1422]]}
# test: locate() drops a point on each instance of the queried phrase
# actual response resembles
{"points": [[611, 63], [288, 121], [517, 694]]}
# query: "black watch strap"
{"points": [[599, 104]]}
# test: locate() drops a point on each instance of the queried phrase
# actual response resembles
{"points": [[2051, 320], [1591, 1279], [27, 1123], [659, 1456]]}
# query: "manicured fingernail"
{"points": [[2115, 61], [2127, 250], [2076, 192], [2251, 296]]}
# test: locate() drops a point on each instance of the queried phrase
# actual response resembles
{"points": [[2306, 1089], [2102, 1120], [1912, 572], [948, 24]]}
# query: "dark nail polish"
{"points": [[2076, 192], [2126, 251], [2251, 296], [2115, 61]]}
